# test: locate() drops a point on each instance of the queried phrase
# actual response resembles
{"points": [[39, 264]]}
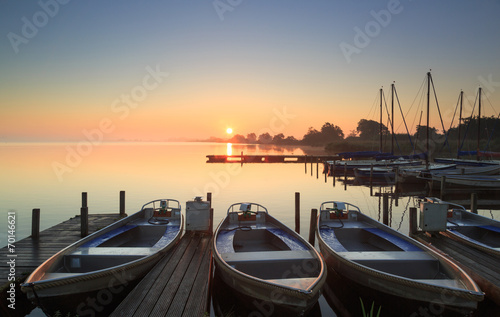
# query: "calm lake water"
{"points": [[52, 176]]}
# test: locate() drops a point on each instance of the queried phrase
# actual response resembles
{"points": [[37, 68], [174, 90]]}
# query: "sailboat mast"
{"points": [[479, 124], [392, 118], [460, 122], [427, 129], [381, 92]]}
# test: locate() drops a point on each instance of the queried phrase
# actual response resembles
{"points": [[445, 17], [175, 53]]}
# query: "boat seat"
{"points": [[275, 265], [409, 264], [91, 259], [114, 251], [49, 276], [300, 283], [259, 256], [442, 282], [386, 255]]}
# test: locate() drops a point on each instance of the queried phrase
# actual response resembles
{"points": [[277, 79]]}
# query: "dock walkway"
{"points": [[30, 253], [178, 285], [482, 267], [264, 158]]}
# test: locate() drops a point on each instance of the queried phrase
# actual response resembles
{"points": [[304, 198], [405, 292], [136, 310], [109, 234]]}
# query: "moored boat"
{"points": [[261, 259], [376, 174], [402, 274], [347, 166], [486, 182], [93, 274], [472, 229]]}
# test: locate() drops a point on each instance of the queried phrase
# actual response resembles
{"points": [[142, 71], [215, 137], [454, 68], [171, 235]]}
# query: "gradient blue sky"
{"points": [[255, 66]]}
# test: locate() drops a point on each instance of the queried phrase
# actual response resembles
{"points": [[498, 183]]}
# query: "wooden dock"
{"points": [[482, 267], [30, 253], [179, 285], [264, 158]]}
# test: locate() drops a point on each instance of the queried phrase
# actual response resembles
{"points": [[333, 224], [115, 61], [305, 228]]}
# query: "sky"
{"points": [[188, 70]]}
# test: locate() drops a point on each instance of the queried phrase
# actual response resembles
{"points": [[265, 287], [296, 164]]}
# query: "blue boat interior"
{"points": [[383, 251], [488, 236], [267, 253], [119, 246]]}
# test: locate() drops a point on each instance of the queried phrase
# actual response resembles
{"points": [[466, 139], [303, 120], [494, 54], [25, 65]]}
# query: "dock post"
{"points": [[443, 187], [326, 173], [312, 226], [473, 203], [305, 164], [312, 159], [385, 211], [209, 198], [211, 222], [297, 212], [413, 220], [371, 179], [84, 216], [333, 171], [122, 204], [317, 168], [35, 224]]}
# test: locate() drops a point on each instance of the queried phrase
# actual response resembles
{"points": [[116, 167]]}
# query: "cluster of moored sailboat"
{"points": [[457, 173], [260, 258]]}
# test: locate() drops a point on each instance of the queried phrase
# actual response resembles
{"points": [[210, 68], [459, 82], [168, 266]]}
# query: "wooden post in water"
{"points": [[443, 187], [317, 168], [473, 203], [211, 222], [371, 179], [122, 204], [312, 225], [35, 224], [385, 210], [333, 171], [84, 216], [297, 212], [312, 165], [413, 220], [305, 164], [209, 198]]}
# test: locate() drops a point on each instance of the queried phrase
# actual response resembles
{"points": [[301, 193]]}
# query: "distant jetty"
{"points": [[264, 158]]}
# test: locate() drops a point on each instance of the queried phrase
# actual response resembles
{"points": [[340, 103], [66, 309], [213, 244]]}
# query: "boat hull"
{"points": [[395, 295], [384, 262], [100, 269], [267, 276]]}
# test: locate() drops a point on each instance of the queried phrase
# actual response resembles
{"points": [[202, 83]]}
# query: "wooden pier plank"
{"points": [[194, 305], [187, 285], [177, 285], [139, 300]]}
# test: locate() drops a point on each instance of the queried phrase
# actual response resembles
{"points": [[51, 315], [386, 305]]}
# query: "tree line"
{"points": [[366, 137]]}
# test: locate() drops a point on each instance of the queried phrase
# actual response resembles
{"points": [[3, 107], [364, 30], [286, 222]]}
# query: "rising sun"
{"points": [[229, 130]]}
